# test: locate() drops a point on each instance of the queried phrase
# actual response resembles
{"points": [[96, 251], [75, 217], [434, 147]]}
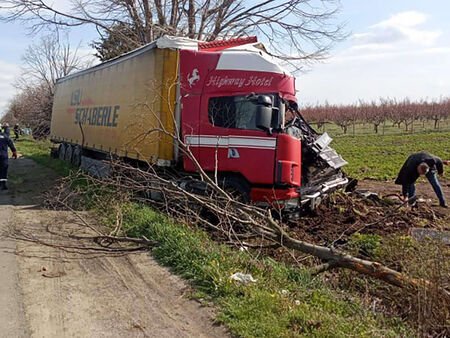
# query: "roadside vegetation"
{"points": [[39, 151], [287, 300], [284, 300]]}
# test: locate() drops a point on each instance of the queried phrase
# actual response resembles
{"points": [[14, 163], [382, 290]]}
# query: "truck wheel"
{"points": [[76, 156], [69, 153], [237, 188], [62, 151]]}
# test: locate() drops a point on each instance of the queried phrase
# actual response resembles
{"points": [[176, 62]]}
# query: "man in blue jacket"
{"points": [[5, 142], [421, 164]]}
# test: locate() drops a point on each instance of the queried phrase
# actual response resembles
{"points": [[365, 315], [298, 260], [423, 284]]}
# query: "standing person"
{"points": [[5, 142], [421, 164], [16, 132], [6, 129]]}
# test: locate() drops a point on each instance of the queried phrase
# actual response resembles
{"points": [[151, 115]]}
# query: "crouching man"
{"points": [[5, 142], [421, 164]]}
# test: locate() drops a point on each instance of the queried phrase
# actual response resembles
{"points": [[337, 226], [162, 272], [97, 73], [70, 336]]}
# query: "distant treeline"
{"points": [[378, 113]]}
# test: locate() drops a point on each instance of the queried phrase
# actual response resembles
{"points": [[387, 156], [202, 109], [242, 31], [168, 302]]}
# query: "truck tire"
{"points": [[76, 156], [62, 151], [237, 187], [69, 153]]}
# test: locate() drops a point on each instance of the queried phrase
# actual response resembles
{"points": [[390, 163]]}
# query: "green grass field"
{"points": [[381, 157], [386, 129]]}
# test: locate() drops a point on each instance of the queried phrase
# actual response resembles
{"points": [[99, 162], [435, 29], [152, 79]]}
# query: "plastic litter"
{"points": [[243, 278]]}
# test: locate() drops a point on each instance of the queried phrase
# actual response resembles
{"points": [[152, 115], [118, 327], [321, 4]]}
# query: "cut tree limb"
{"points": [[100, 238], [338, 259]]}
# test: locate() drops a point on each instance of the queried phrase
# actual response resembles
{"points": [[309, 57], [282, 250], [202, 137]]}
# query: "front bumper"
{"points": [[292, 200], [313, 196]]}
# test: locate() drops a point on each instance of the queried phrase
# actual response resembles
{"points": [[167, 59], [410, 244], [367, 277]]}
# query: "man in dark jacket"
{"points": [[16, 132], [5, 142], [6, 129], [421, 164]]}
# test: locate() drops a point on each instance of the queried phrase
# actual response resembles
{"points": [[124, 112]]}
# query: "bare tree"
{"points": [[32, 107], [295, 29], [48, 60], [43, 63]]}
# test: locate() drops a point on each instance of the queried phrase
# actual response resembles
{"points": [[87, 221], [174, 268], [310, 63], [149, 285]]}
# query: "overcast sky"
{"points": [[396, 48]]}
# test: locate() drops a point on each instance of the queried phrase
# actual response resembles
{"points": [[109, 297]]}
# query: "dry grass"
{"points": [[426, 309]]}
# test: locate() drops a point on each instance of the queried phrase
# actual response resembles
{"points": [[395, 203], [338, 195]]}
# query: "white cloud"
{"points": [[399, 28], [8, 73], [87, 55], [393, 58], [403, 19]]}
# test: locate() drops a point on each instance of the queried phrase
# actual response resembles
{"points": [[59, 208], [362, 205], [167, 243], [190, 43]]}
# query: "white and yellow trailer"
{"points": [[126, 106]]}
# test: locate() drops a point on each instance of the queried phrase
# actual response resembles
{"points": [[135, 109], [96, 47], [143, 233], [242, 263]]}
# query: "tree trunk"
{"points": [[191, 19], [338, 259]]}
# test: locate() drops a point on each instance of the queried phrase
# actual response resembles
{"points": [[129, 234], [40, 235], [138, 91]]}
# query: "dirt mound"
{"points": [[341, 215]]}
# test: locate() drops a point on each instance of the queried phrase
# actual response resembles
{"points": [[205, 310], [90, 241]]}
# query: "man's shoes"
{"points": [[412, 202], [413, 205], [3, 186], [443, 205]]}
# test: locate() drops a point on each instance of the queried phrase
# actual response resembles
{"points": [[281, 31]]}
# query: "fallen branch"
{"points": [[112, 239], [339, 259]]}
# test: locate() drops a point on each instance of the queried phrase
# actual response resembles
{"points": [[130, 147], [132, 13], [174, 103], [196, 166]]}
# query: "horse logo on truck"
{"points": [[194, 78]]}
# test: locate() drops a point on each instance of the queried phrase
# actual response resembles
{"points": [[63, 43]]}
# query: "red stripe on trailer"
{"points": [[224, 44]]}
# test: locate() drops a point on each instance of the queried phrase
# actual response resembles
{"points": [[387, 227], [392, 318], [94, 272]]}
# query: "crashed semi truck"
{"points": [[230, 102]]}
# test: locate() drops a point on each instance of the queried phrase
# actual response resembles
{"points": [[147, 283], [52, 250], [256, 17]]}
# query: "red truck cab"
{"points": [[233, 117]]}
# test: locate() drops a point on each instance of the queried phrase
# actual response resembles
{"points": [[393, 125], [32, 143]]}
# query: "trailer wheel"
{"points": [[237, 188], [76, 156], [62, 151], [69, 153]]}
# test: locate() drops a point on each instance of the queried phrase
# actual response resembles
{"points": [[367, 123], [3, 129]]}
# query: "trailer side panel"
{"points": [[120, 108]]}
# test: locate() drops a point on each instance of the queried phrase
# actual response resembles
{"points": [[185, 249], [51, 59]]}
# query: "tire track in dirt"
{"points": [[82, 293]]}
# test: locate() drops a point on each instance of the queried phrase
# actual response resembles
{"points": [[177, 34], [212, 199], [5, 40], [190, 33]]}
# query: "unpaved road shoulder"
{"points": [[64, 290]]}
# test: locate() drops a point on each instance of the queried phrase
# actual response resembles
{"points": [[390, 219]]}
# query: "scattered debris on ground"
{"points": [[341, 215]]}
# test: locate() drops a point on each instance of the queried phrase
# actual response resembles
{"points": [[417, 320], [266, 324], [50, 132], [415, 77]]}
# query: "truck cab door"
{"points": [[230, 141], [190, 129]]}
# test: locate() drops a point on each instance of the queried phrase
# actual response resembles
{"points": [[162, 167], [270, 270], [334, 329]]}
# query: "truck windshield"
{"points": [[234, 112]]}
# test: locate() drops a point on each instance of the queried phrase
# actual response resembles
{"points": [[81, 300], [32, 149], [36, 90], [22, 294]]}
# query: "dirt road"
{"points": [[63, 290]]}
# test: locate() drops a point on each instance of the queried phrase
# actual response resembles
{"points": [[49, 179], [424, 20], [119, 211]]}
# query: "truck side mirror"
{"points": [[264, 112]]}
